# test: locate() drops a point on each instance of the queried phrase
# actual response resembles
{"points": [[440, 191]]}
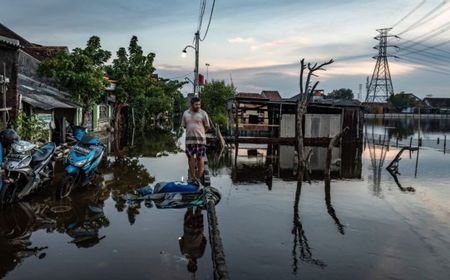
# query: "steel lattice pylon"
{"points": [[380, 86]]}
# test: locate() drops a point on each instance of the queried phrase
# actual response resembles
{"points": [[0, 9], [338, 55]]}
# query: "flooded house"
{"points": [[30, 93], [262, 126]]}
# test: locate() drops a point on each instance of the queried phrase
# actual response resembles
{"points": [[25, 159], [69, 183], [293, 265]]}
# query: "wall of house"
{"points": [[27, 64], [9, 57]]}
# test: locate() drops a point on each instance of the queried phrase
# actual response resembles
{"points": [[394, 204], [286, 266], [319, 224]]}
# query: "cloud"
{"points": [[241, 40]]}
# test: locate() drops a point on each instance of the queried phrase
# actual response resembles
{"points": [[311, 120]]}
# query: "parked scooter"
{"points": [[27, 169], [81, 163]]}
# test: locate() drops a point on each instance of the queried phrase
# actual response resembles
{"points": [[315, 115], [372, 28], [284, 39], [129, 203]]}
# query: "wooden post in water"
{"points": [[410, 144], [396, 142], [217, 249], [445, 143]]}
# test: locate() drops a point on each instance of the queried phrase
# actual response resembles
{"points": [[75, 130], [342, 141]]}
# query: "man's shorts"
{"points": [[195, 150]]}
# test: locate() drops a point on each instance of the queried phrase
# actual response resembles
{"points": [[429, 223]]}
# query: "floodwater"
{"points": [[367, 224]]}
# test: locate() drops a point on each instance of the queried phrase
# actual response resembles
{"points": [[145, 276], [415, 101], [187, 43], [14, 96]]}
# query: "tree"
{"points": [[79, 72], [140, 87], [306, 92], [214, 97], [402, 100], [343, 93]]}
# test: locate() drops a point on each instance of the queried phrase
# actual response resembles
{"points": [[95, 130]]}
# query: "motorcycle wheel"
{"points": [[7, 195], [65, 187], [50, 170]]}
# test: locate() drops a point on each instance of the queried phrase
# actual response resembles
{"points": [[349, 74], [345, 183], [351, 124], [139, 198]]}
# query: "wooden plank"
{"points": [[280, 140], [318, 141]]}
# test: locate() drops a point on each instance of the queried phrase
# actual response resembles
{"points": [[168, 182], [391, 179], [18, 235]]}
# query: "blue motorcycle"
{"points": [[81, 163]]}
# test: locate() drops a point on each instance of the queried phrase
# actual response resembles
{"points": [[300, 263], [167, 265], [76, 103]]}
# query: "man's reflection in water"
{"points": [[193, 242]]}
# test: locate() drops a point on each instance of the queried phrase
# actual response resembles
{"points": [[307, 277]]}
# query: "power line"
{"points": [[180, 76], [440, 29], [422, 62], [424, 18], [410, 13], [431, 36], [422, 68], [423, 52], [209, 21], [432, 18], [435, 47], [201, 14]]}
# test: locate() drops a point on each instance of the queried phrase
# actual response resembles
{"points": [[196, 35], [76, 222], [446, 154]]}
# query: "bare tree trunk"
{"points": [[301, 162], [330, 153], [306, 93]]}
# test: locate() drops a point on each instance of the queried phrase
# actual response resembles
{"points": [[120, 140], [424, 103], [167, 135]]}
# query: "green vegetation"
{"points": [[31, 128], [402, 100], [214, 96], [80, 72], [150, 96], [343, 93]]}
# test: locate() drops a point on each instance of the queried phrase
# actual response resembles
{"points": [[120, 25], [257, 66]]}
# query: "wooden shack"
{"points": [[255, 118], [271, 122]]}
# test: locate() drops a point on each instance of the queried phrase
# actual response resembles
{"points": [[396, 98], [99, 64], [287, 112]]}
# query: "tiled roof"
{"points": [[273, 95], [42, 52], [39, 52], [250, 95]]}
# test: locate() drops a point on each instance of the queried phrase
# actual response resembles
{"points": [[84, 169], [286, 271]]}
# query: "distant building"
{"points": [[437, 104]]}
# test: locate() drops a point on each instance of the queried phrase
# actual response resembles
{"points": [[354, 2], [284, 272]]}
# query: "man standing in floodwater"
{"points": [[196, 123]]}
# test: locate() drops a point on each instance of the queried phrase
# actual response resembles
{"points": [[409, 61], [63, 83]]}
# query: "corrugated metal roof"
{"points": [[42, 96], [9, 41], [437, 102]]}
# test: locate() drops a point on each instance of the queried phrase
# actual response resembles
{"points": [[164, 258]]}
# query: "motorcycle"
{"points": [[27, 168], [81, 163]]}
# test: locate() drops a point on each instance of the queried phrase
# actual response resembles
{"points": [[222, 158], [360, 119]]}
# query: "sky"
{"points": [[256, 43]]}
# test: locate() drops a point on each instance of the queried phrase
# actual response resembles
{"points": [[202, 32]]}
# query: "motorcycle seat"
{"points": [[89, 140], [43, 152]]}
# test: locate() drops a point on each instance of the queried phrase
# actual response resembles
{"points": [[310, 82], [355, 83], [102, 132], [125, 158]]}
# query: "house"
{"points": [[32, 93], [437, 104], [256, 119], [26, 91]]}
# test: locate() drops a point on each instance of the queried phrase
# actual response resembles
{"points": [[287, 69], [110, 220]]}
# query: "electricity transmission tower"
{"points": [[380, 86]]}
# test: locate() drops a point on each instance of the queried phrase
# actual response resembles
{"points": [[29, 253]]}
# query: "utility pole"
{"points": [[360, 91], [197, 51], [380, 86], [207, 71]]}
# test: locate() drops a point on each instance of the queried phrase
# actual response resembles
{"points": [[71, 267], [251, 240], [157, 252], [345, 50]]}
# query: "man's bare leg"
{"points": [[200, 167], [192, 166]]}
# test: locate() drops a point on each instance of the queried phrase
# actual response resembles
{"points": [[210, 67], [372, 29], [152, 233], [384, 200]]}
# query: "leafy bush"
{"points": [[31, 128]]}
